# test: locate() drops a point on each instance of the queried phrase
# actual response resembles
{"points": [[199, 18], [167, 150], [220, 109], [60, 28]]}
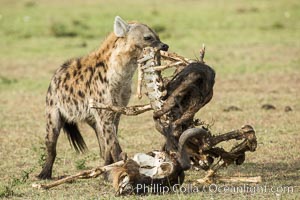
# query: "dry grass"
{"points": [[276, 159]]}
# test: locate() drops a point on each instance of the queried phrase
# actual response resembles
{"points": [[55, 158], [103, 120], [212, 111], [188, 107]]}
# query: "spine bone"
{"points": [[151, 78]]}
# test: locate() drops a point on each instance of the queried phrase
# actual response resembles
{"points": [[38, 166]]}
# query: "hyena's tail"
{"points": [[75, 137]]}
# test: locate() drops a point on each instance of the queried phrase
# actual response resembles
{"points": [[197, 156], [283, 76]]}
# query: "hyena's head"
{"points": [[138, 35]]}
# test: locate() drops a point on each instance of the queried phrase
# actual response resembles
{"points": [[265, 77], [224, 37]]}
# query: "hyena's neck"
{"points": [[120, 58]]}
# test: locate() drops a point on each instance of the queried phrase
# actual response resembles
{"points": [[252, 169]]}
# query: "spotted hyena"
{"points": [[105, 76]]}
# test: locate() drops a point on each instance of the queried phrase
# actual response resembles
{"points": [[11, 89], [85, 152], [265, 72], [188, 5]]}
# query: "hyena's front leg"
{"points": [[54, 125], [98, 128], [113, 149], [105, 129], [117, 121]]}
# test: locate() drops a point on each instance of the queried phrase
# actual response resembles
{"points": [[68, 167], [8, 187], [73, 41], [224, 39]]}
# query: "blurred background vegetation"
{"points": [[233, 30]]}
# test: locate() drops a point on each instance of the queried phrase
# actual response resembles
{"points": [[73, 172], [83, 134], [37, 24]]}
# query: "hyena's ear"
{"points": [[120, 27]]}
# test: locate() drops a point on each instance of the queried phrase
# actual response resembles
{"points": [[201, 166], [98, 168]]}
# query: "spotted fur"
{"points": [[105, 76]]}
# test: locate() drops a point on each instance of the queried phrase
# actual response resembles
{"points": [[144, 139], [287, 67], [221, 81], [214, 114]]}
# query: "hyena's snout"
{"points": [[161, 46]]}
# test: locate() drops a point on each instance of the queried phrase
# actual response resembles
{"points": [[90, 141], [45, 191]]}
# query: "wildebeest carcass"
{"points": [[175, 102]]}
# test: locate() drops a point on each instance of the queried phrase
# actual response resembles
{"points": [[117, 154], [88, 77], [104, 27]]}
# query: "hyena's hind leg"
{"points": [[53, 127]]}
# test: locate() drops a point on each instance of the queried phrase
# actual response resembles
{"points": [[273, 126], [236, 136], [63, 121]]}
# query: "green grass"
{"points": [[254, 47]]}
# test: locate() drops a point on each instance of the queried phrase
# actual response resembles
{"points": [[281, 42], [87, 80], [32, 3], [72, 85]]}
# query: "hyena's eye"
{"points": [[148, 38]]}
